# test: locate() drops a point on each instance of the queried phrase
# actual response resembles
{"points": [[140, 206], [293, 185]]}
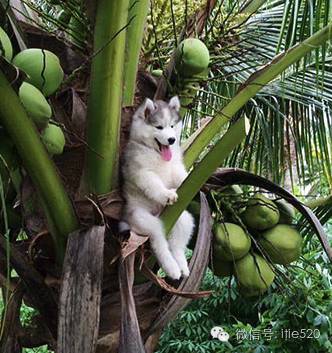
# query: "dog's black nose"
{"points": [[171, 140]]}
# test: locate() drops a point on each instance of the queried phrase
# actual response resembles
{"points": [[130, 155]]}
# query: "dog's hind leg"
{"points": [[179, 239], [145, 223]]}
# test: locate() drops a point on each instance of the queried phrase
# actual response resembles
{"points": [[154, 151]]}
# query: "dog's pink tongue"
{"points": [[166, 153]]}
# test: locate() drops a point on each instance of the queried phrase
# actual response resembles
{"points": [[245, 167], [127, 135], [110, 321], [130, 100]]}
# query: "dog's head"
{"points": [[157, 125]]}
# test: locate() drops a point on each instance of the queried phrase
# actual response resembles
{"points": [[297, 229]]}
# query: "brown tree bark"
{"points": [[81, 292]]}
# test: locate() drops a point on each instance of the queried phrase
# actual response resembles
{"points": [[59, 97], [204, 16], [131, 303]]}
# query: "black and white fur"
{"points": [[153, 169]]}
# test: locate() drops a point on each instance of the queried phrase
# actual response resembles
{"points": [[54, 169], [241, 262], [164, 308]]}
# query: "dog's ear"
{"points": [[146, 109], [174, 103]]}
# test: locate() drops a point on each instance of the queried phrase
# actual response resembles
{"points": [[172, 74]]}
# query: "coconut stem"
{"points": [[39, 166], [138, 12], [105, 100]]}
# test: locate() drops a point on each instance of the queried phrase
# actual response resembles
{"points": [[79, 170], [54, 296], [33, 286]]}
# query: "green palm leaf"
{"points": [[291, 115]]}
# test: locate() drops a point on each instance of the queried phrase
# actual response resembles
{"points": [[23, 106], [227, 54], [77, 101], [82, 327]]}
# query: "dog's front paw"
{"points": [[181, 260], [173, 271], [172, 196], [185, 271]]}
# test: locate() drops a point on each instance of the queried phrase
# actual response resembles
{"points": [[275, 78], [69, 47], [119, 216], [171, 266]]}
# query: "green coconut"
{"points": [[261, 213], [230, 242], [254, 274], [53, 139], [35, 104], [287, 212], [222, 268], [282, 243], [192, 57], [42, 67], [6, 48]]}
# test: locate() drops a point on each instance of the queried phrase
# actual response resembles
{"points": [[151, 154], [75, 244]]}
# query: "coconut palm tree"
{"points": [[263, 105]]}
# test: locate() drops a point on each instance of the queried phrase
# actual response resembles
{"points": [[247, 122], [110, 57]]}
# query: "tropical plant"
{"points": [[262, 324], [267, 97]]}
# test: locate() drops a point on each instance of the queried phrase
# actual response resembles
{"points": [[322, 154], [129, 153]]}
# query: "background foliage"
{"points": [[305, 303]]}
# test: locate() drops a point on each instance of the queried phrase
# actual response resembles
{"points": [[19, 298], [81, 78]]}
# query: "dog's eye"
{"points": [[159, 127], [172, 126]]}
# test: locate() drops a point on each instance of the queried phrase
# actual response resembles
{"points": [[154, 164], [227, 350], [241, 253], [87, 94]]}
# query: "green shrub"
{"points": [[304, 302]]}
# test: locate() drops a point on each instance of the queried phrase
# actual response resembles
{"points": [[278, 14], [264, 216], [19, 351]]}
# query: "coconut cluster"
{"points": [[44, 76], [192, 59], [191, 62], [263, 237]]}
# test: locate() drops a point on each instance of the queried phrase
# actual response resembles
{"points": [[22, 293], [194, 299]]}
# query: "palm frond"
{"points": [[291, 115]]}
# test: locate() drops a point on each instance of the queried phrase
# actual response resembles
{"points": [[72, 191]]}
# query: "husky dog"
{"points": [[153, 170]]}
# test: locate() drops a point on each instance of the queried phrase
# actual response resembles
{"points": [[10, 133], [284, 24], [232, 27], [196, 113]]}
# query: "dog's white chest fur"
{"points": [[153, 169], [142, 160]]}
